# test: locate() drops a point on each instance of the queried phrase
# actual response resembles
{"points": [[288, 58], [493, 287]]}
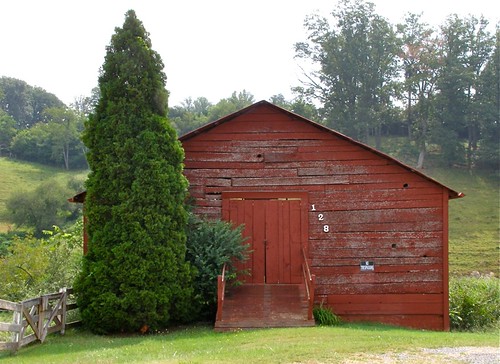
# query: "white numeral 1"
{"points": [[313, 208]]}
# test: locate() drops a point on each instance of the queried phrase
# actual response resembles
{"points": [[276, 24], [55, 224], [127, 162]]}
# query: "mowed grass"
{"points": [[23, 176], [474, 221], [203, 345]]}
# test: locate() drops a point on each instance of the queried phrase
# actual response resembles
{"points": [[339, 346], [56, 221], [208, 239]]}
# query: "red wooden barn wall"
{"points": [[375, 210]]}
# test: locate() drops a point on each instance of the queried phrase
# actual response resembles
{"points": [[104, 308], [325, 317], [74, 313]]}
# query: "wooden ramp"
{"points": [[252, 306]]}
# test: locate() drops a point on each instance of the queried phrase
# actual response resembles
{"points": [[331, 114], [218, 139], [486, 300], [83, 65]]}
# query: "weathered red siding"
{"points": [[362, 207]]}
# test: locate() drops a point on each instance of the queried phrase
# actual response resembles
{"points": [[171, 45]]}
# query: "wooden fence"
{"points": [[34, 318]]}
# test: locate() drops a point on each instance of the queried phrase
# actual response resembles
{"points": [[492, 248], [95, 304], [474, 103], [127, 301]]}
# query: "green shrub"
{"points": [[39, 266], [42, 208], [474, 303], [324, 316], [210, 245], [6, 240]]}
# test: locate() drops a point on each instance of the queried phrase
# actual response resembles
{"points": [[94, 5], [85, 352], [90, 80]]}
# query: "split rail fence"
{"points": [[34, 318]]}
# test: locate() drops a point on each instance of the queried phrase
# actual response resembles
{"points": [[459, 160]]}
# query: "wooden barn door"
{"points": [[274, 229]]}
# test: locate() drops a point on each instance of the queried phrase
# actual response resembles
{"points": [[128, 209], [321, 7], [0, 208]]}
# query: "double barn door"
{"points": [[276, 229]]}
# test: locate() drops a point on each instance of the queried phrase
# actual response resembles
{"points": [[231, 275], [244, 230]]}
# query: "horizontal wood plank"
{"points": [[11, 306], [381, 204], [260, 125], [317, 156], [8, 346], [370, 254], [332, 261], [10, 327], [262, 136], [403, 270], [383, 215], [377, 277], [426, 322], [385, 298], [317, 231], [351, 169], [382, 288], [294, 181], [191, 166], [368, 308], [246, 172]]}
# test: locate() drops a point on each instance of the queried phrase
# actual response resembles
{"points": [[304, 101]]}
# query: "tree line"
{"points": [[439, 88], [434, 89], [38, 127]]}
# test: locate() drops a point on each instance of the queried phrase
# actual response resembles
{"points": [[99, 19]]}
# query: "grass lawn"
{"points": [[203, 345]]}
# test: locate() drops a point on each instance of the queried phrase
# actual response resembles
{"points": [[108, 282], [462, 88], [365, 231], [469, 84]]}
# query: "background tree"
{"points": [[85, 105], [66, 127], [134, 276], [488, 102], [190, 115], [420, 63], [41, 208], [237, 101], [33, 144], [7, 132], [356, 60], [480, 44], [298, 105], [55, 140], [465, 49], [25, 103]]}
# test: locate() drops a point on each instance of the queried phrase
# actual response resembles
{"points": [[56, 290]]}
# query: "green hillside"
{"points": [[23, 176], [474, 220]]}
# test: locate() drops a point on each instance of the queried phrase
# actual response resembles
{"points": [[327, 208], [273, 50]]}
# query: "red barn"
{"points": [[373, 231]]}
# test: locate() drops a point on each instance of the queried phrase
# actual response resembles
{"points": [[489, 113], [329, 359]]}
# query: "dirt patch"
{"points": [[464, 354]]}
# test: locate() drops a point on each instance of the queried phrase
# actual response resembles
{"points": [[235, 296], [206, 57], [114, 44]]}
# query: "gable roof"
{"points": [[451, 193]]}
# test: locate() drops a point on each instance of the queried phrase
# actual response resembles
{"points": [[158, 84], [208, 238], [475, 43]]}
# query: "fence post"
{"points": [[42, 313], [17, 319], [64, 298]]}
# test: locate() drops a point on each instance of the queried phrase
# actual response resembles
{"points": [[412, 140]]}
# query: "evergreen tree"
{"points": [[134, 276]]}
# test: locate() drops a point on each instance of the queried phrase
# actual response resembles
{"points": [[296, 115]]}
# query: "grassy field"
{"points": [[474, 221], [349, 343], [22, 176]]}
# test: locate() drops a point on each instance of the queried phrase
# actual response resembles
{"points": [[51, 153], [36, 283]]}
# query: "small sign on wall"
{"points": [[366, 266]]}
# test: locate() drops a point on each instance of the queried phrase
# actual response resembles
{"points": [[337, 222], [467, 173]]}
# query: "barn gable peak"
{"points": [[263, 103]]}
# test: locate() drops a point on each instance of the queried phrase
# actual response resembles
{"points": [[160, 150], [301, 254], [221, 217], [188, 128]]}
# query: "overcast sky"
{"points": [[210, 48]]}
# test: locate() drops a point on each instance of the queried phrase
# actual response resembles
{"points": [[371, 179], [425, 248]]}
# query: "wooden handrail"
{"points": [[221, 290], [310, 282]]}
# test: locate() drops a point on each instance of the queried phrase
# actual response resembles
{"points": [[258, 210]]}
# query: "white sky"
{"points": [[210, 48]]}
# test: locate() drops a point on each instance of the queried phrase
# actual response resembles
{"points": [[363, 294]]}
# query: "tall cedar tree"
{"points": [[134, 276]]}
